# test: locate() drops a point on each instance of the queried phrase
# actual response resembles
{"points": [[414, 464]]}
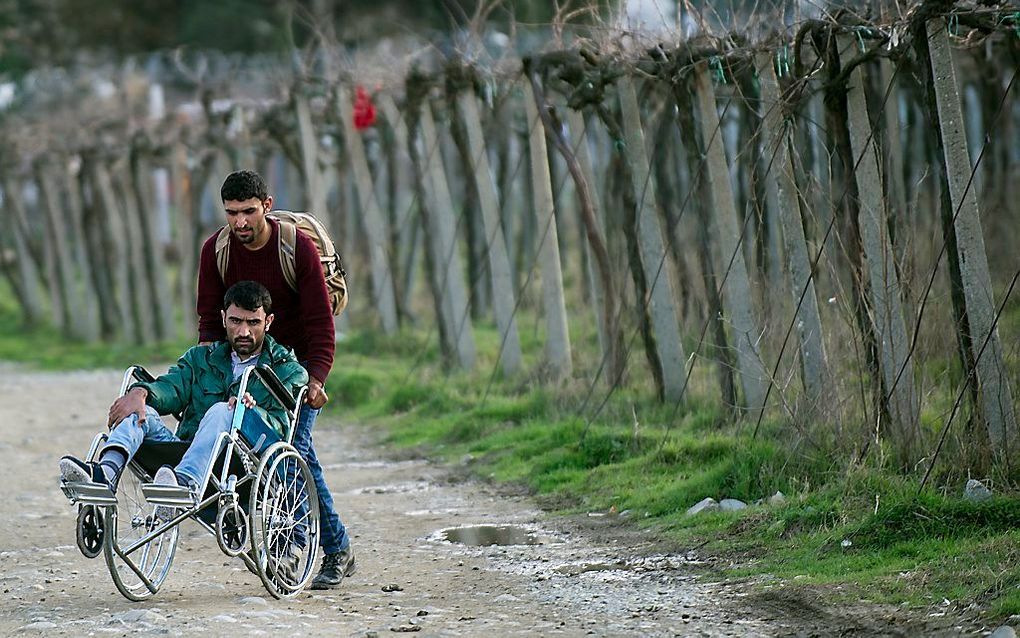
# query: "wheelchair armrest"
{"points": [[276, 387]]}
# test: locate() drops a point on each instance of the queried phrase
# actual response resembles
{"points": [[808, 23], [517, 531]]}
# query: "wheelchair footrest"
{"points": [[90, 493], [168, 495]]}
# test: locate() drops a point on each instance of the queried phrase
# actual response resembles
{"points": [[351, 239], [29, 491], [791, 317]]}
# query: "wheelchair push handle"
{"points": [[135, 374], [275, 387]]}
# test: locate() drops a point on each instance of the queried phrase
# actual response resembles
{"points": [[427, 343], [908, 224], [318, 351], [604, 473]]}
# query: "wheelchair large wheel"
{"points": [[284, 521], [128, 523]]}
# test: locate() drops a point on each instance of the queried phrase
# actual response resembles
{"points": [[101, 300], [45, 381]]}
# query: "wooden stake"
{"points": [[59, 258], [895, 362], [443, 232], [26, 273], [499, 261], [656, 262], [736, 287], [115, 253], [184, 233], [558, 337], [579, 144], [315, 193], [777, 138], [154, 276], [993, 382]]}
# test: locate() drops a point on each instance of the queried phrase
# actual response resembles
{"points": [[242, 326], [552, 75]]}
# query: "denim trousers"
{"points": [[129, 435], [332, 533]]}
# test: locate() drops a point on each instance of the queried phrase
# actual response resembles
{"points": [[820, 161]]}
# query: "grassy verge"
{"points": [[43, 347], [862, 526], [858, 525]]}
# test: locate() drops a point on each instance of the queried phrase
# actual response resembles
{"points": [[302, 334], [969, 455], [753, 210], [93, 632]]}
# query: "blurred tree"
{"points": [[37, 33]]}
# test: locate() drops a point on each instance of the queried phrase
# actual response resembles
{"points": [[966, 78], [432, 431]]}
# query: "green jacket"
{"points": [[203, 376]]}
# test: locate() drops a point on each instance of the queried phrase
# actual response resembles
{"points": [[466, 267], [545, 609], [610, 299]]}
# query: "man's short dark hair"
{"points": [[250, 295], [242, 185]]}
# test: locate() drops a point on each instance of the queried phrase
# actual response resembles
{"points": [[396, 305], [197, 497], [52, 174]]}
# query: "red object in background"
{"points": [[364, 110]]}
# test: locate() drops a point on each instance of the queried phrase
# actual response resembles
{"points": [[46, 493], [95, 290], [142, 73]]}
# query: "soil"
{"points": [[593, 575]]}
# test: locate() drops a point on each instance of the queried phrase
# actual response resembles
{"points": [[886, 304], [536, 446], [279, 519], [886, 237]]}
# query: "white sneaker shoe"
{"points": [[166, 476]]}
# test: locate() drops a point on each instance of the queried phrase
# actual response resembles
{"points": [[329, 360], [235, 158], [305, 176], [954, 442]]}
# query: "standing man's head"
{"points": [[246, 201], [247, 314]]}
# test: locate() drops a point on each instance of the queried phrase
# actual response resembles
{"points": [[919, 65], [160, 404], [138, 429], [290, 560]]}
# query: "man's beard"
{"points": [[245, 346], [245, 239]]}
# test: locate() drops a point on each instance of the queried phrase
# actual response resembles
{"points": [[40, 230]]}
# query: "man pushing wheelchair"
{"points": [[204, 388]]}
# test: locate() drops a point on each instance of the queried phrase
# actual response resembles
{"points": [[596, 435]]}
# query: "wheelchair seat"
{"points": [[154, 454]]}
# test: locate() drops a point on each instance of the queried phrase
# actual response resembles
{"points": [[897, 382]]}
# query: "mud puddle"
{"points": [[486, 535]]}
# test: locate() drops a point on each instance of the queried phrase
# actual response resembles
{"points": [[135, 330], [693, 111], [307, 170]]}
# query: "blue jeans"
{"points": [[333, 535], [128, 435]]}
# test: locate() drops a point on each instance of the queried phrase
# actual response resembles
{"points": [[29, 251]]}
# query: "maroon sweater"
{"points": [[304, 319]]}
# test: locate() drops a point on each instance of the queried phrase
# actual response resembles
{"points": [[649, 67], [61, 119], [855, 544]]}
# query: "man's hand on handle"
{"points": [[131, 403], [316, 396]]}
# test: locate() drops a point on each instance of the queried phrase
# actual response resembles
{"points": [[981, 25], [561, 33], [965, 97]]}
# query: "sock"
{"points": [[112, 463]]}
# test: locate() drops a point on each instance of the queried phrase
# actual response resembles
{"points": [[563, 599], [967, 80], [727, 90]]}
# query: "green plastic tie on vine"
{"points": [[716, 63], [953, 26], [1015, 17], [619, 145], [860, 38], [782, 61]]}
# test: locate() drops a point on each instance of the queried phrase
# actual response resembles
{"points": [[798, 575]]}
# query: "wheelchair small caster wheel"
{"points": [[89, 531], [231, 529]]}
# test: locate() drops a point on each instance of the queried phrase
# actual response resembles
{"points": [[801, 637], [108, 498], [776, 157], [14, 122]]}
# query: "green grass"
{"points": [[646, 460], [44, 347], [638, 457]]}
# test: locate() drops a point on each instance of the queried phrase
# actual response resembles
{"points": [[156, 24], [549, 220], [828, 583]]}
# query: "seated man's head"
{"points": [[247, 313]]}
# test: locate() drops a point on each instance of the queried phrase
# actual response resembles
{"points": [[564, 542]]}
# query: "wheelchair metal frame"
{"points": [[228, 444]]}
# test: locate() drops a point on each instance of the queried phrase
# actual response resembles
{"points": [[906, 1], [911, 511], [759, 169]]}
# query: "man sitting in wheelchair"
{"points": [[201, 387]]}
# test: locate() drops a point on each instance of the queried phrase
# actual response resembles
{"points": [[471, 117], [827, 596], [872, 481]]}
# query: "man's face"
{"points": [[247, 219], [246, 329]]}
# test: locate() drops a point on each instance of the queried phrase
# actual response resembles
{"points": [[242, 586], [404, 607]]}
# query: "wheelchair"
{"points": [[258, 500]]}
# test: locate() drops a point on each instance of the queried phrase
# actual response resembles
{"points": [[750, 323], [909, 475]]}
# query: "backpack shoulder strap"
{"points": [[288, 248], [223, 252]]}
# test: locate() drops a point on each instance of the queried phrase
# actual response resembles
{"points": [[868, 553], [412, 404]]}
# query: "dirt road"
{"points": [[579, 581]]}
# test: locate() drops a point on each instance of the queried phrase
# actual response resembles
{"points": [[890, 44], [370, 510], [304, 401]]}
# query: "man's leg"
{"points": [[338, 559], [203, 450], [125, 439], [193, 467]]}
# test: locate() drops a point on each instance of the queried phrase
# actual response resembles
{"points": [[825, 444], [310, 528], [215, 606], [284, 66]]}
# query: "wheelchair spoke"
{"points": [[141, 573], [286, 530]]}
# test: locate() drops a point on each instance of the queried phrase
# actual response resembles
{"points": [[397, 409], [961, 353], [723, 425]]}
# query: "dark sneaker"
{"points": [[73, 470], [335, 567]]}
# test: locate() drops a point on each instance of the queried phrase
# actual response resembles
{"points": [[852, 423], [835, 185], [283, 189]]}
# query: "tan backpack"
{"points": [[290, 223]]}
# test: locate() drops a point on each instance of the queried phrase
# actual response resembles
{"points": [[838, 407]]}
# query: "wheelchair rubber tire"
{"points": [[268, 513], [232, 529]]}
